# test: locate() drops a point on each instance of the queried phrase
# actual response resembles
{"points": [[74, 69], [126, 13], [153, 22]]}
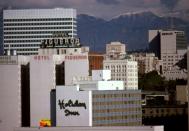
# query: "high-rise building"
{"points": [[188, 82], [1, 32], [23, 30], [170, 47]]}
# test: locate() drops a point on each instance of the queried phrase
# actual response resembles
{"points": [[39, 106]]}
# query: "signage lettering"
{"points": [[76, 57], [60, 42], [41, 58], [64, 106]]}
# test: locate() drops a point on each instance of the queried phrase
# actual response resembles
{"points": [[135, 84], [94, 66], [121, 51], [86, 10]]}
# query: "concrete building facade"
{"points": [[25, 29], [170, 47], [75, 107], [13, 92], [123, 70], [29, 80], [147, 62]]}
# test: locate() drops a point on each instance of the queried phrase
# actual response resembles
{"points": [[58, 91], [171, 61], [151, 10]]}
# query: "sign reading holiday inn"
{"points": [[70, 103], [60, 40], [73, 107]]}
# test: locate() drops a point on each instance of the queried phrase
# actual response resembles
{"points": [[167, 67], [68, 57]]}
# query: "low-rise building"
{"points": [[123, 70], [115, 50], [147, 62]]}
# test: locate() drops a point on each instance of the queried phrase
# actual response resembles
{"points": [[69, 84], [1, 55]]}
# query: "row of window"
{"points": [[20, 41], [45, 19], [32, 24], [119, 74], [23, 45], [164, 110], [27, 49], [38, 32], [119, 66], [176, 56], [118, 124], [33, 36], [113, 117], [116, 110], [39, 28], [110, 103], [27, 53], [115, 95]]}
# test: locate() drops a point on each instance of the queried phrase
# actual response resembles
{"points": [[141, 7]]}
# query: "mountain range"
{"points": [[130, 28]]}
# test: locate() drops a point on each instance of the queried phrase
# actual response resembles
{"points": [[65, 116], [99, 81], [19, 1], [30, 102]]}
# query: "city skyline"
{"points": [[103, 8]]}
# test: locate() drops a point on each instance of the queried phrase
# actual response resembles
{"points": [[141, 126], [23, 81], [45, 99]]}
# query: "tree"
{"points": [[182, 64], [152, 81]]}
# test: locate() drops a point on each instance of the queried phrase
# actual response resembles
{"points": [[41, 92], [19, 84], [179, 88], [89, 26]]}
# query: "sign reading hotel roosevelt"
{"points": [[60, 40], [70, 103]]}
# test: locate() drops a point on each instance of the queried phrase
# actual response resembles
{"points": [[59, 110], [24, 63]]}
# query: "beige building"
{"points": [[181, 94], [115, 50], [170, 47], [146, 62]]}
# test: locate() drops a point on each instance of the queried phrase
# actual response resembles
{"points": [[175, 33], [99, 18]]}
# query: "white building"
{"points": [[45, 73], [29, 80], [100, 80], [25, 29], [78, 107], [12, 114], [170, 47], [123, 70]]}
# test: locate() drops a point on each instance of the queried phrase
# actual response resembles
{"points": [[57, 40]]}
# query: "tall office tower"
{"points": [[25, 29], [188, 82], [14, 92], [170, 47], [125, 70], [115, 50], [1, 32]]}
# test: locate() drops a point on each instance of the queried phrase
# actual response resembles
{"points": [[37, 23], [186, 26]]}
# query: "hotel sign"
{"points": [[58, 42], [66, 105], [76, 57]]}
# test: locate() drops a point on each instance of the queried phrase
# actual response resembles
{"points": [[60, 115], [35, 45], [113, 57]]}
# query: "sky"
{"points": [[106, 9]]}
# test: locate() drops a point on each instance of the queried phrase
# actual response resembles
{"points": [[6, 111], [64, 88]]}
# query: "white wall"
{"points": [[101, 75], [66, 93], [42, 80], [111, 85], [10, 99], [75, 65]]}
